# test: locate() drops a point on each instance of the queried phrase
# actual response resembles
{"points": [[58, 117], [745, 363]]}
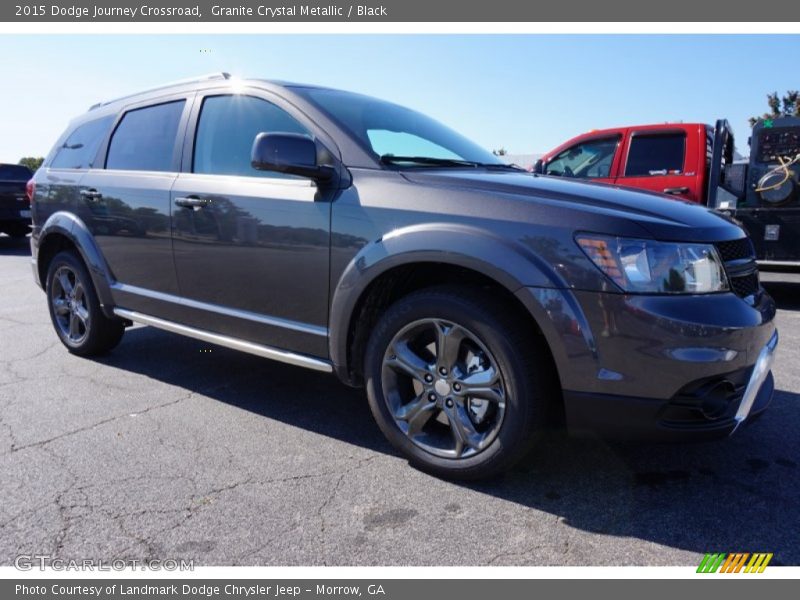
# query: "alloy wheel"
{"points": [[68, 297], [443, 388]]}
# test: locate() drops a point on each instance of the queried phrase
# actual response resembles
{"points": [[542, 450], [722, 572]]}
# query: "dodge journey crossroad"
{"points": [[334, 231]]}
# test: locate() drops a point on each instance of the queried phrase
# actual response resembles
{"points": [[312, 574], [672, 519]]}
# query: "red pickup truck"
{"points": [[669, 158], [695, 162]]}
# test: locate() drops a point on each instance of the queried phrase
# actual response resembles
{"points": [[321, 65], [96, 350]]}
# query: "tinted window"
{"points": [[80, 148], [395, 143], [226, 130], [389, 130], [15, 173], [656, 154], [589, 159], [145, 138]]}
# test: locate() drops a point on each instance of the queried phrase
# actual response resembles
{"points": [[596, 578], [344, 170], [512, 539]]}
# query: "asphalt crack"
{"points": [[61, 436]]}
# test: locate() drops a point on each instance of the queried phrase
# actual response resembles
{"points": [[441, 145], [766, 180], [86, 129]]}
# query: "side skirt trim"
{"points": [[269, 352]]}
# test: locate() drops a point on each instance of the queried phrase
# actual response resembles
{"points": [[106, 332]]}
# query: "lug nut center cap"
{"points": [[442, 387]]}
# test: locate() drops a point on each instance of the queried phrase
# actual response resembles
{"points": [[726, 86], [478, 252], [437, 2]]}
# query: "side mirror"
{"points": [[290, 153], [538, 167]]}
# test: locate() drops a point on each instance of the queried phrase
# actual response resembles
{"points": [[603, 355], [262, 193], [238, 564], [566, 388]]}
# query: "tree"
{"points": [[786, 106], [500, 152], [32, 162]]}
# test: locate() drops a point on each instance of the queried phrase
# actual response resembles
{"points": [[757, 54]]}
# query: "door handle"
{"points": [[91, 194], [676, 190], [192, 202]]}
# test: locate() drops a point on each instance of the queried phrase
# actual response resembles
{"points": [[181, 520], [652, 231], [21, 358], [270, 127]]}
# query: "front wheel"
{"points": [[456, 383], [75, 310]]}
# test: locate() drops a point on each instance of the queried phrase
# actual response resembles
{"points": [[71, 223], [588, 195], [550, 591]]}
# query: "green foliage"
{"points": [[787, 105], [32, 162]]}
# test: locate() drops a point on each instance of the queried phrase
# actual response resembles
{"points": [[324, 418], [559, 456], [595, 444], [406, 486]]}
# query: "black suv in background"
{"points": [[15, 210], [341, 233]]}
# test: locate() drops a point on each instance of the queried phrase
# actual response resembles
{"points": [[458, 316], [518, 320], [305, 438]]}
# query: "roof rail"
{"points": [[199, 78]]}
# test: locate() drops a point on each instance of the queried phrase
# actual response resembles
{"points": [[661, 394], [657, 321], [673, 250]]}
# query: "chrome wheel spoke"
{"points": [[83, 315], [463, 431], [60, 306], [78, 292], [448, 344], [416, 413], [485, 384], [74, 326], [64, 282], [408, 362]]}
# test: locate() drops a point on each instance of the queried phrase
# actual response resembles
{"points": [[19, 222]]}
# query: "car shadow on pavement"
{"points": [[14, 246], [737, 494]]}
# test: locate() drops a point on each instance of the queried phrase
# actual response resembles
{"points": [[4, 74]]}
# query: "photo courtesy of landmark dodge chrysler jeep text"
{"points": [[345, 234]]}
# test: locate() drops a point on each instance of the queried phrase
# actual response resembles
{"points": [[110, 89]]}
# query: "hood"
{"points": [[662, 216]]}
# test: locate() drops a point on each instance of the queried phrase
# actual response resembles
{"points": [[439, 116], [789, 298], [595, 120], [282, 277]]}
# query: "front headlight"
{"points": [[648, 266]]}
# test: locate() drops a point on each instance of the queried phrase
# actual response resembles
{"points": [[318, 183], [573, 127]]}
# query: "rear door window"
{"points": [[81, 146], [144, 140], [661, 154]]}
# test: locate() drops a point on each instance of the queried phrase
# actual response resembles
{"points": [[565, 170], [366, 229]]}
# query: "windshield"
{"points": [[399, 136]]}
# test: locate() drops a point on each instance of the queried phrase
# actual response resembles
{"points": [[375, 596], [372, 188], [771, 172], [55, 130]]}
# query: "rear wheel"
{"points": [[456, 383], [75, 310]]}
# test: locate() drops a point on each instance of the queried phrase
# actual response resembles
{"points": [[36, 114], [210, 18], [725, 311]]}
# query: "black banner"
{"points": [[392, 589], [253, 11]]}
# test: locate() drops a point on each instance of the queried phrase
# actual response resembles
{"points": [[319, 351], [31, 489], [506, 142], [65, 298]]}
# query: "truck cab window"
{"points": [[660, 154], [591, 159]]}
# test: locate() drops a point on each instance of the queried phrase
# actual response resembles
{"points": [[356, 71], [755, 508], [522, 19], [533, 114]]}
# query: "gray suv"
{"points": [[345, 234]]}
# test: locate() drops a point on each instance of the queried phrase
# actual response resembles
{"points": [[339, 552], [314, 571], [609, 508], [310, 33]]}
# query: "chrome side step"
{"points": [[229, 342]]}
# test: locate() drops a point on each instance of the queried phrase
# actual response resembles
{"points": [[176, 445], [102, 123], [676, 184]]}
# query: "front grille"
{"points": [[744, 286], [736, 249], [739, 258]]}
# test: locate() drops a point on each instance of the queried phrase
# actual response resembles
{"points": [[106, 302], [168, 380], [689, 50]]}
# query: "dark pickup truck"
{"points": [[15, 209]]}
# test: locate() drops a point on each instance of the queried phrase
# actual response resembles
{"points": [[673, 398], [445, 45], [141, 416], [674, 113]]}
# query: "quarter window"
{"points": [[226, 130], [80, 148], [591, 159], [656, 155], [145, 138]]}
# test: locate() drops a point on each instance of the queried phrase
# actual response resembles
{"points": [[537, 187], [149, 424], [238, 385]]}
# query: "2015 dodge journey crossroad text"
{"points": [[341, 233]]}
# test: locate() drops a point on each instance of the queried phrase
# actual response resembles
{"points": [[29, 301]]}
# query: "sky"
{"points": [[524, 93]]}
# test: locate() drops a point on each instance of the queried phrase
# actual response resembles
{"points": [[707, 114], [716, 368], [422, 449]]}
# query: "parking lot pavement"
{"points": [[169, 448]]}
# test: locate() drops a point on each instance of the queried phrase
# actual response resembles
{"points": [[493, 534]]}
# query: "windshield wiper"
{"points": [[504, 166], [393, 159]]}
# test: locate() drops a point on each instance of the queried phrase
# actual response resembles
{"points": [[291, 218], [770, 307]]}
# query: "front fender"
{"points": [[506, 261], [75, 230]]}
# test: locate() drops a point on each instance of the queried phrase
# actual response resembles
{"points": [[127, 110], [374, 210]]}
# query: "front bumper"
{"points": [[681, 418], [658, 367]]}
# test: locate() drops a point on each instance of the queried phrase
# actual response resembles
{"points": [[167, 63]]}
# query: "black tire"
{"points": [[502, 344], [72, 302]]}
